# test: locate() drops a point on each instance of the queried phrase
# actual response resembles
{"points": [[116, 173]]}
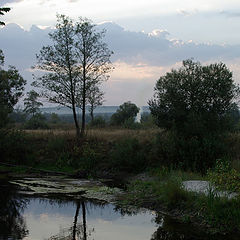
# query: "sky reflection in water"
{"points": [[50, 220]]}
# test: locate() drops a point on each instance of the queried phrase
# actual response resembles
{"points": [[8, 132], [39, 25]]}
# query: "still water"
{"points": [[28, 218]]}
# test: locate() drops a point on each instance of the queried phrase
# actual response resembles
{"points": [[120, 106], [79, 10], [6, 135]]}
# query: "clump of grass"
{"points": [[166, 190], [220, 212]]}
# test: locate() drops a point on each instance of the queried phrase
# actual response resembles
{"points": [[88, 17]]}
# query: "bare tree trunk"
{"points": [[76, 121], [83, 109], [84, 93], [91, 113]]}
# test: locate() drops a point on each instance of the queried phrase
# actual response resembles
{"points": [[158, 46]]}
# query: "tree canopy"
{"points": [[11, 89], [194, 103], [127, 111], [31, 103], [194, 93]]}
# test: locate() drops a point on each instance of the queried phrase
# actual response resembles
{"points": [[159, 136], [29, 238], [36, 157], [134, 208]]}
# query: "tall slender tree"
{"points": [[60, 82], [93, 59], [77, 60]]}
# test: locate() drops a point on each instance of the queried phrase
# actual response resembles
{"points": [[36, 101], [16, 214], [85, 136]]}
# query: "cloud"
{"points": [[153, 49], [3, 2], [187, 13], [231, 14], [157, 50], [139, 58]]}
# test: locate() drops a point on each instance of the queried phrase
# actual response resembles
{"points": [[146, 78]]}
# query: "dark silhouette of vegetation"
{"points": [[2, 12], [37, 121], [1, 58], [194, 102], [12, 223], [78, 60], [31, 103], [11, 89], [95, 99], [126, 113]]}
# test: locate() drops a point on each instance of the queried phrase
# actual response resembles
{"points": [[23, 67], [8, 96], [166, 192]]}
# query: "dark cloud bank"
{"points": [[20, 46]]}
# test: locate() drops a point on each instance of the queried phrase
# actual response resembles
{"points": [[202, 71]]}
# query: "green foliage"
{"points": [[194, 154], [15, 147], [166, 190], [37, 121], [173, 194], [147, 120], [75, 65], [54, 119], [195, 103], [128, 155], [221, 213], [196, 97], [11, 89], [89, 158], [131, 124], [98, 122], [126, 112], [31, 104], [224, 177]]}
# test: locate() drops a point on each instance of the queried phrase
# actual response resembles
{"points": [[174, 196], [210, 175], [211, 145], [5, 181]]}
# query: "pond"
{"points": [[37, 218]]}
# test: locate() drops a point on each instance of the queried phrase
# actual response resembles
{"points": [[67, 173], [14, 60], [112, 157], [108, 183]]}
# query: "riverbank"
{"points": [[164, 192], [120, 155], [158, 190]]}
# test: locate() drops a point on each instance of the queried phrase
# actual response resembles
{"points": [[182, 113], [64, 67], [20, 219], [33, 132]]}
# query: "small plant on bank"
{"points": [[224, 177]]}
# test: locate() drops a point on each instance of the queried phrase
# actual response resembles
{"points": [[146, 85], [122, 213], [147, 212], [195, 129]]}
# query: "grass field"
{"points": [[106, 134]]}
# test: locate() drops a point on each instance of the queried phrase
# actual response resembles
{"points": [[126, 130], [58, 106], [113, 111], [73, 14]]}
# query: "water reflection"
{"points": [[12, 222], [58, 219], [79, 230]]}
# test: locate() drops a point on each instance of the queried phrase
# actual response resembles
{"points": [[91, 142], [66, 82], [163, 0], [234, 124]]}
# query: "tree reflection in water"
{"points": [[12, 224], [79, 231], [169, 229]]}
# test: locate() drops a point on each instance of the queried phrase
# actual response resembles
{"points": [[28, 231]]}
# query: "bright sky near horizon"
{"points": [[207, 30]]}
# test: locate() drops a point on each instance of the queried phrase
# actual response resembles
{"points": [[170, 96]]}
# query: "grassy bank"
{"points": [[163, 191], [120, 153]]}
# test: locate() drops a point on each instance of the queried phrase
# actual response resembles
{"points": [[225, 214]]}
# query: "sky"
{"points": [[148, 38]]}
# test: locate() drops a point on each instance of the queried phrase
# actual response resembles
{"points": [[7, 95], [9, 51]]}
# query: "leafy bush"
{"points": [[14, 147], [197, 154], [224, 177], [128, 155], [131, 124], [125, 112], [221, 213], [37, 121], [98, 122], [88, 158]]}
